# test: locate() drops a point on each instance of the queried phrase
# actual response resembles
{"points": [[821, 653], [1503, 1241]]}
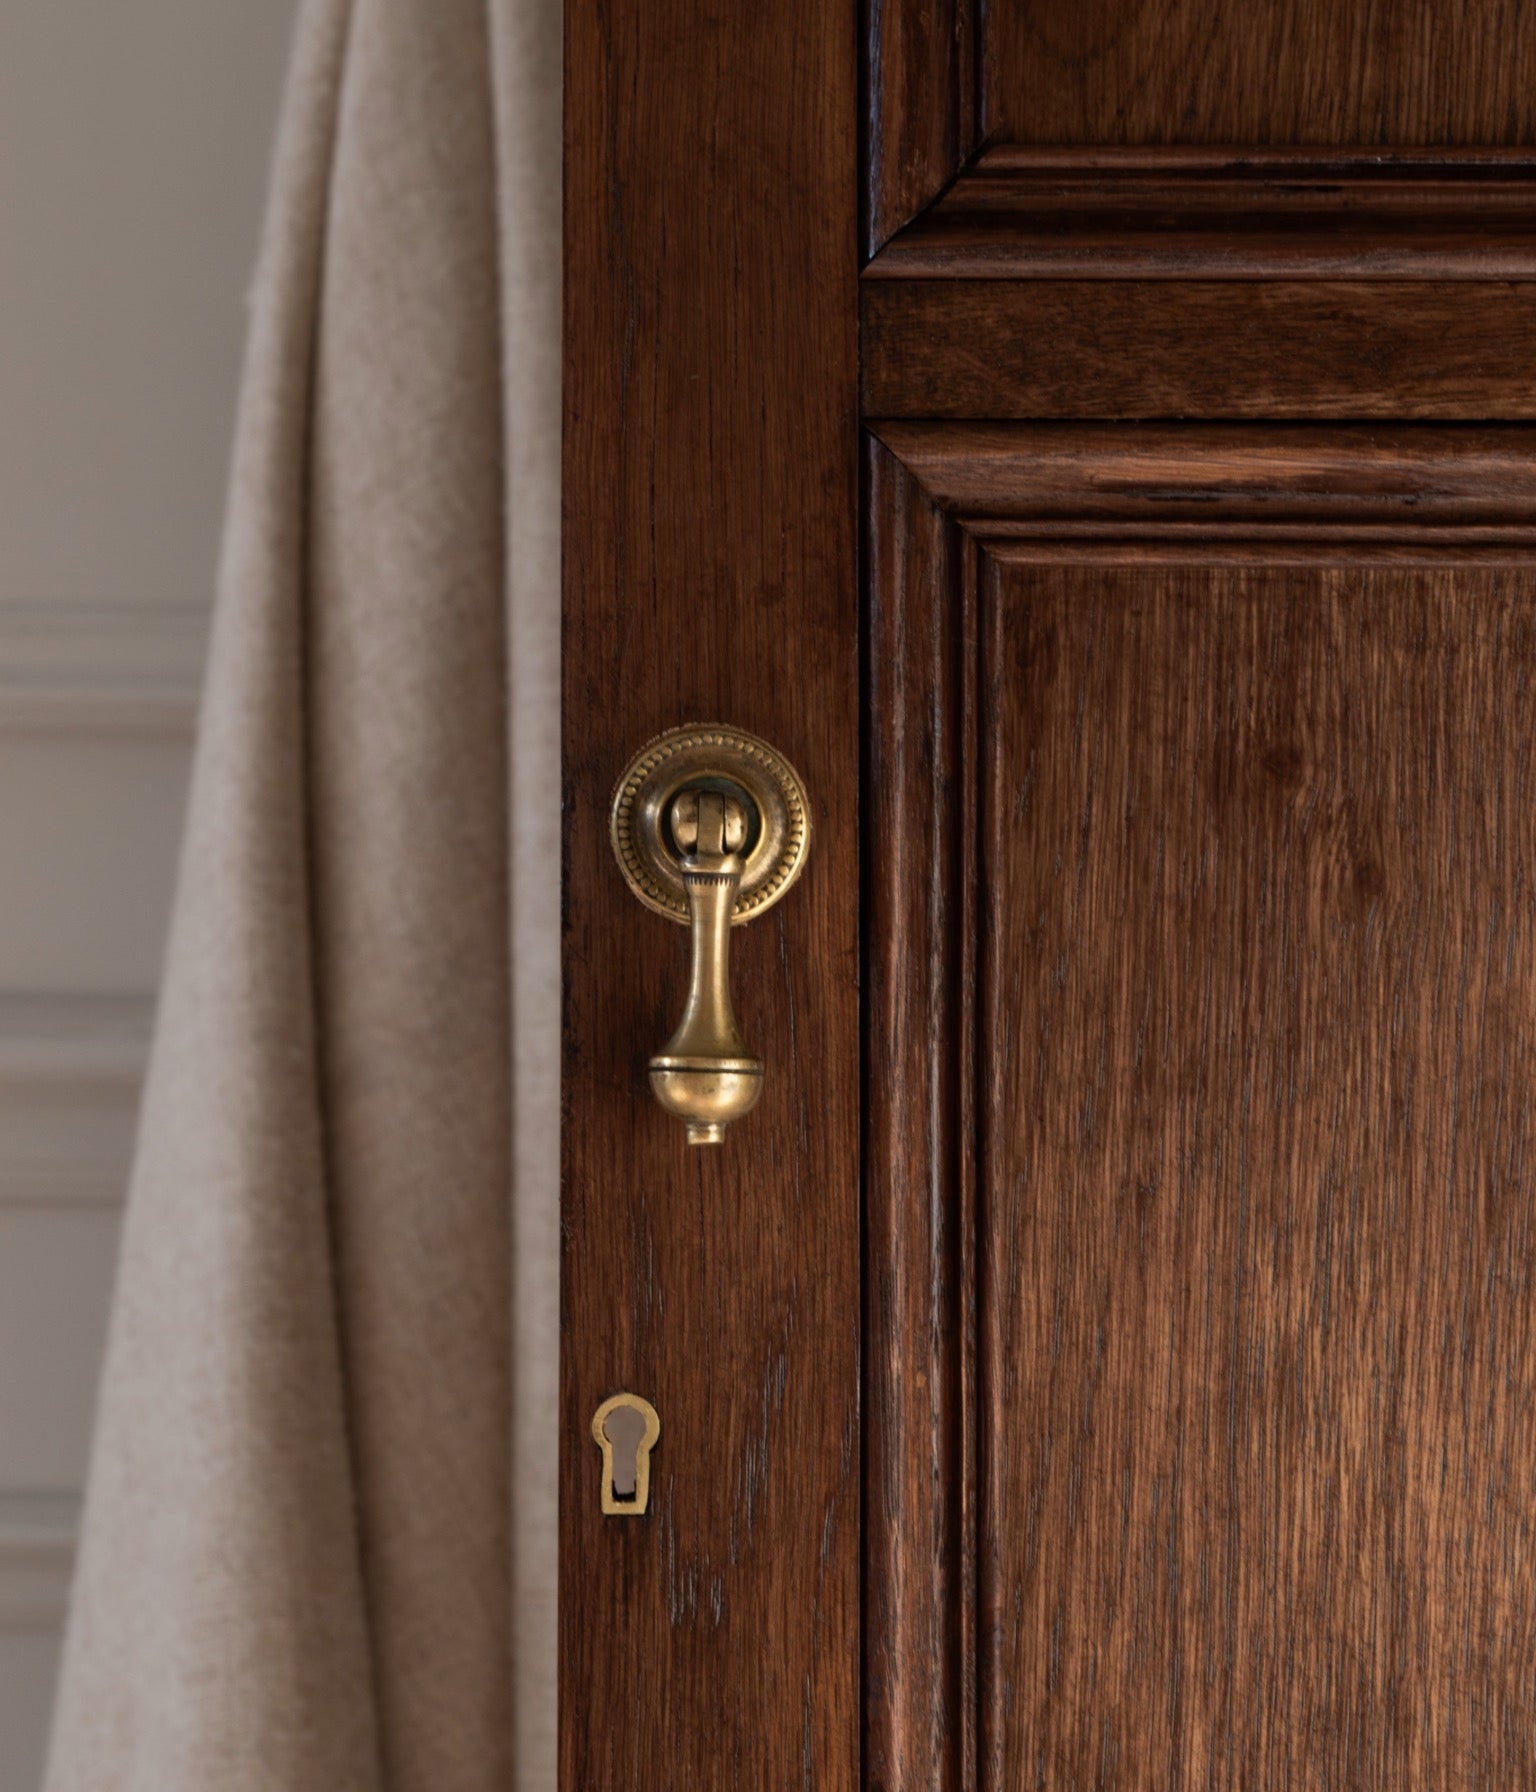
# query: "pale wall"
{"points": [[133, 148]]}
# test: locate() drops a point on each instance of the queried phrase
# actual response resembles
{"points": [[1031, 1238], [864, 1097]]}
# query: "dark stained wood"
{"points": [[1190, 214], [1175, 348], [1258, 1294], [1254, 1271], [1198, 1433], [993, 477], [923, 100], [1335, 72], [710, 531], [920, 933], [1404, 74]]}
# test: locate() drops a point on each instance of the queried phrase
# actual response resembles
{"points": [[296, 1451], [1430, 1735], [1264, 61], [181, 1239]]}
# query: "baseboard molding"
{"points": [[101, 668], [70, 1071], [37, 1558]]}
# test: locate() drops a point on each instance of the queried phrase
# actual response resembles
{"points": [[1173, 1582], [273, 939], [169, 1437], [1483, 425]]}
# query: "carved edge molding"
{"points": [[924, 95], [1268, 490], [1044, 283], [921, 890], [1021, 213]]}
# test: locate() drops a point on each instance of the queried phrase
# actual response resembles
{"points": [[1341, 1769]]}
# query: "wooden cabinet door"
{"points": [[1094, 443]]}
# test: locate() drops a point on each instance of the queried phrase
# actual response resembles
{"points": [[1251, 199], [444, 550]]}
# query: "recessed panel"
{"points": [[1256, 1243]]}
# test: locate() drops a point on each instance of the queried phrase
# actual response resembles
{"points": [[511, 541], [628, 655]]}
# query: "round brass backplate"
{"points": [[717, 758]]}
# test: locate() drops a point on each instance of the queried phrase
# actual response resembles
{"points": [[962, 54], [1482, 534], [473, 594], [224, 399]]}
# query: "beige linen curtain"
{"points": [[318, 1544]]}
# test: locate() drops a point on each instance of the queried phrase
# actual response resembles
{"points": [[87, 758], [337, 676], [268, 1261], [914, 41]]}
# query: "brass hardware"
{"points": [[626, 1428], [710, 826]]}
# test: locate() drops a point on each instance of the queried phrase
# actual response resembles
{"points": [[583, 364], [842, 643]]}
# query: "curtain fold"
{"points": [[296, 1568]]}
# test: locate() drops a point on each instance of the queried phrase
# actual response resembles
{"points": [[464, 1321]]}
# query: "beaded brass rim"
{"points": [[779, 835]]}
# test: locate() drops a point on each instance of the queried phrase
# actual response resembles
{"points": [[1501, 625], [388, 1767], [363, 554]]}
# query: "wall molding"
{"points": [[101, 668], [38, 1534], [70, 1072]]}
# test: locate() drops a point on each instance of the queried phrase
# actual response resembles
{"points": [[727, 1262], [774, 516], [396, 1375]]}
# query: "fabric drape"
{"points": [[297, 1561]]}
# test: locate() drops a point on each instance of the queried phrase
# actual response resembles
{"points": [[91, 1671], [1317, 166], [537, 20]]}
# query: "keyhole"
{"points": [[626, 1432], [626, 1428]]}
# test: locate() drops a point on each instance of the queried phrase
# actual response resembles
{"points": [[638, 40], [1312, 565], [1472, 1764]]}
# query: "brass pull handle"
{"points": [[704, 1073], [710, 827]]}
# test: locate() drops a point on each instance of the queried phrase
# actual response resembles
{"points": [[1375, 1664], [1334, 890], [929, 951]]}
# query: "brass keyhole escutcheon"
{"points": [[710, 826], [625, 1428]]}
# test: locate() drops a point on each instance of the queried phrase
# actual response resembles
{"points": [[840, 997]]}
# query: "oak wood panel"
{"points": [[710, 495], [919, 1028], [1258, 1318], [1246, 847], [1425, 72], [1163, 348], [1184, 213]]}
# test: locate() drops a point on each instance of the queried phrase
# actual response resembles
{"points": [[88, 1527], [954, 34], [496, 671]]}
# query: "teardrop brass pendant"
{"points": [[710, 826]]}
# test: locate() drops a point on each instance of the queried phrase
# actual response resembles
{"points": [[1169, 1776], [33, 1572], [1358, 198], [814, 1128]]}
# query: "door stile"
{"points": [[710, 498]]}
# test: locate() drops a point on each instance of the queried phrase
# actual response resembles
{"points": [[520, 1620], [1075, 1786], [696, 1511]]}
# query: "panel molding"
{"points": [[1473, 486], [37, 1558], [70, 1073], [924, 81], [1191, 283], [943, 500], [921, 891], [1020, 213], [101, 668]]}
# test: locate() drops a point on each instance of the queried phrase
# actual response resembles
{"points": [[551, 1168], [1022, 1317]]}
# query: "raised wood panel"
{"points": [[710, 493], [1250, 852], [1258, 1333], [1207, 348], [1420, 72]]}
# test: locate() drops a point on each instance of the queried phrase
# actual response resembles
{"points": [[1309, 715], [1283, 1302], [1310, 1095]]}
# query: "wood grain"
{"points": [[1021, 213], [1251, 1273], [1398, 72], [923, 100], [1000, 478], [710, 496], [1163, 348], [1198, 1427], [919, 1028], [1258, 1317]]}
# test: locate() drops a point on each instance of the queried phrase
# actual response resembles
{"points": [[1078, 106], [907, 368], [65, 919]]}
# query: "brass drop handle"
{"points": [[710, 827], [704, 1073]]}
